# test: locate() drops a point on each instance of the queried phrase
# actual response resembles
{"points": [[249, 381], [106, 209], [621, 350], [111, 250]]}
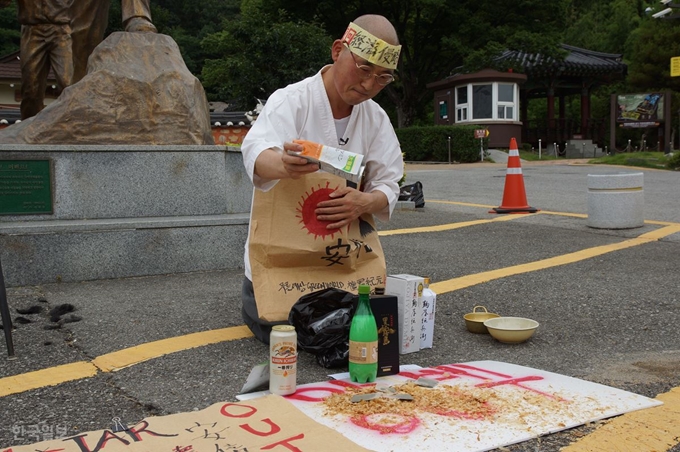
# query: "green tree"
{"points": [[259, 53], [188, 22], [10, 30], [604, 26], [440, 36], [649, 51]]}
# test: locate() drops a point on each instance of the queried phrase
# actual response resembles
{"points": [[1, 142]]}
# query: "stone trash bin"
{"points": [[615, 201]]}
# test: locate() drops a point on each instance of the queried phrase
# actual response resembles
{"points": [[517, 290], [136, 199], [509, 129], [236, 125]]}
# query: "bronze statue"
{"points": [[62, 34], [45, 42], [90, 18]]}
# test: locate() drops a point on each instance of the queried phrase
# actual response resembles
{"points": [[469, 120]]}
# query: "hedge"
{"points": [[672, 163], [431, 144]]}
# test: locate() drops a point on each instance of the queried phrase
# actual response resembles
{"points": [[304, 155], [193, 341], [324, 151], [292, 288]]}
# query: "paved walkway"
{"points": [[606, 300]]}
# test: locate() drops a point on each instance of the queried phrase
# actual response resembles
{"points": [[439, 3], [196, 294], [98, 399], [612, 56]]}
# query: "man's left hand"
{"points": [[346, 205]]}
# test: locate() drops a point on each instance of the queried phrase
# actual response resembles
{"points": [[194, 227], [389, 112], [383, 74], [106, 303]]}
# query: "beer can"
{"points": [[282, 360]]}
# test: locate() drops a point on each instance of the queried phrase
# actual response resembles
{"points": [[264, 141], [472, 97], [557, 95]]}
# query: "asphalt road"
{"points": [[609, 317]]}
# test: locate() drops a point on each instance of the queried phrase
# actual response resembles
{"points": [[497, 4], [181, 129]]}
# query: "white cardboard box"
{"points": [[429, 309], [409, 291]]}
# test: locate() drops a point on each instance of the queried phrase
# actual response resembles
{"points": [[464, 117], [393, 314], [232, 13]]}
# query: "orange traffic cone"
{"points": [[514, 195]]}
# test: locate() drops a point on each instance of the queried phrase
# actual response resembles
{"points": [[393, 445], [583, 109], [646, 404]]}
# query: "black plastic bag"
{"points": [[413, 192], [322, 320]]}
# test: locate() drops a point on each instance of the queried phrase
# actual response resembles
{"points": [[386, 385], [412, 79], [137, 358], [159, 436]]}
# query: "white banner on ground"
{"points": [[500, 404]]}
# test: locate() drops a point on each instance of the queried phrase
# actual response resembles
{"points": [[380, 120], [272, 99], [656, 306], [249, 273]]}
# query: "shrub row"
{"points": [[674, 161], [431, 144]]}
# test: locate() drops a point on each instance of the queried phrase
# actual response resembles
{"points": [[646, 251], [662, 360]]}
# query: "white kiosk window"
{"points": [[487, 101], [506, 101], [482, 101], [462, 104]]}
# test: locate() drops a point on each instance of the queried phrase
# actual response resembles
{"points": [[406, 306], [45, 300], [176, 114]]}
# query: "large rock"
{"points": [[138, 90]]}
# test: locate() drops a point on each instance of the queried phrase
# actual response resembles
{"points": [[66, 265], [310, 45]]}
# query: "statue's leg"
{"points": [[137, 16], [61, 56], [35, 65], [89, 21]]}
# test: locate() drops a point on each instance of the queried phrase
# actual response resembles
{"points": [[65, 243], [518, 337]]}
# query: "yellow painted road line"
{"points": [[565, 214], [467, 204], [46, 377], [652, 429], [127, 357], [450, 226], [544, 212], [120, 359], [585, 215], [479, 278]]}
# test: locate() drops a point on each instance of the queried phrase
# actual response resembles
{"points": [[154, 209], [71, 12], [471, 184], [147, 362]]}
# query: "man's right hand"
{"points": [[272, 164], [295, 166]]}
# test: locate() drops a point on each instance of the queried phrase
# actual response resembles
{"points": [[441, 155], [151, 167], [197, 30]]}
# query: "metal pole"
{"points": [[481, 148], [449, 145], [539, 149], [6, 319]]}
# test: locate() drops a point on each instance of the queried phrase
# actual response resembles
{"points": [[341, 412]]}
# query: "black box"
{"points": [[385, 310]]}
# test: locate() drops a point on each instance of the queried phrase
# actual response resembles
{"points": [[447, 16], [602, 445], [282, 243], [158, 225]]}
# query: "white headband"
{"points": [[372, 49]]}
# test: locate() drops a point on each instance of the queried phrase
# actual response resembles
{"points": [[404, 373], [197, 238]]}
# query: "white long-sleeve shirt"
{"points": [[302, 111]]}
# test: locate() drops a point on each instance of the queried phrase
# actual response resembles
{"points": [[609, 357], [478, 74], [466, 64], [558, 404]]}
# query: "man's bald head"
{"points": [[379, 26]]}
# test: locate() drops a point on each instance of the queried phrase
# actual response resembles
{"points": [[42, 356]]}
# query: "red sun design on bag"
{"points": [[307, 216]]}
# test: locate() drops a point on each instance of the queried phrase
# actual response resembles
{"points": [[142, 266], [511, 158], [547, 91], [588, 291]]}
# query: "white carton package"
{"points": [[340, 162], [409, 292]]}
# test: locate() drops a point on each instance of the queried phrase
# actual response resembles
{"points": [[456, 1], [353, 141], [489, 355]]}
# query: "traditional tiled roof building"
{"points": [[499, 100]]}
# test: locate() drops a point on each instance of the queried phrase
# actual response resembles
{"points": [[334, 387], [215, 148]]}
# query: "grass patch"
{"points": [[656, 160], [533, 156]]}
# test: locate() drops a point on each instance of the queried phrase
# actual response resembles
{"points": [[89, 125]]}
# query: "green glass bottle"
{"points": [[363, 340]]}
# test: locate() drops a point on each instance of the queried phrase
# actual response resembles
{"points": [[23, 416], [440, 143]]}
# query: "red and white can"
{"points": [[282, 360]]}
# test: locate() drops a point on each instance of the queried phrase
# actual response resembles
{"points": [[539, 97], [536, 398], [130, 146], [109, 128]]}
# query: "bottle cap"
{"points": [[364, 289], [427, 281]]}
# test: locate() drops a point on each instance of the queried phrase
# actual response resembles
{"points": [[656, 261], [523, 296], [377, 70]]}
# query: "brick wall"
{"points": [[229, 134]]}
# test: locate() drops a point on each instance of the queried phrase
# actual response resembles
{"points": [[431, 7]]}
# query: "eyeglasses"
{"points": [[365, 72]]}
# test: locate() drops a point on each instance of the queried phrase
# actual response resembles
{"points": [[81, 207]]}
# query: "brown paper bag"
{"points": [[293, 254], [266, 423]]}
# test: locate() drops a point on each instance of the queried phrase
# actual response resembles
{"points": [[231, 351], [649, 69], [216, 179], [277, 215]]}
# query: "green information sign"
{"points": [[25, 187]]}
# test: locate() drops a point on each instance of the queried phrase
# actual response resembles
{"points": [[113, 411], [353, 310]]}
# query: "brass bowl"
{"points": [[474, 321], [511, 330]]}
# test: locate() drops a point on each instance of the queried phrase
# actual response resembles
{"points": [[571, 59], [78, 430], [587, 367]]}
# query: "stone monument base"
{"points": [[122, 211]]}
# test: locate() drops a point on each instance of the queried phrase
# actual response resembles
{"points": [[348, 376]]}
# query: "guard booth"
{"points": [[489, 99]]}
